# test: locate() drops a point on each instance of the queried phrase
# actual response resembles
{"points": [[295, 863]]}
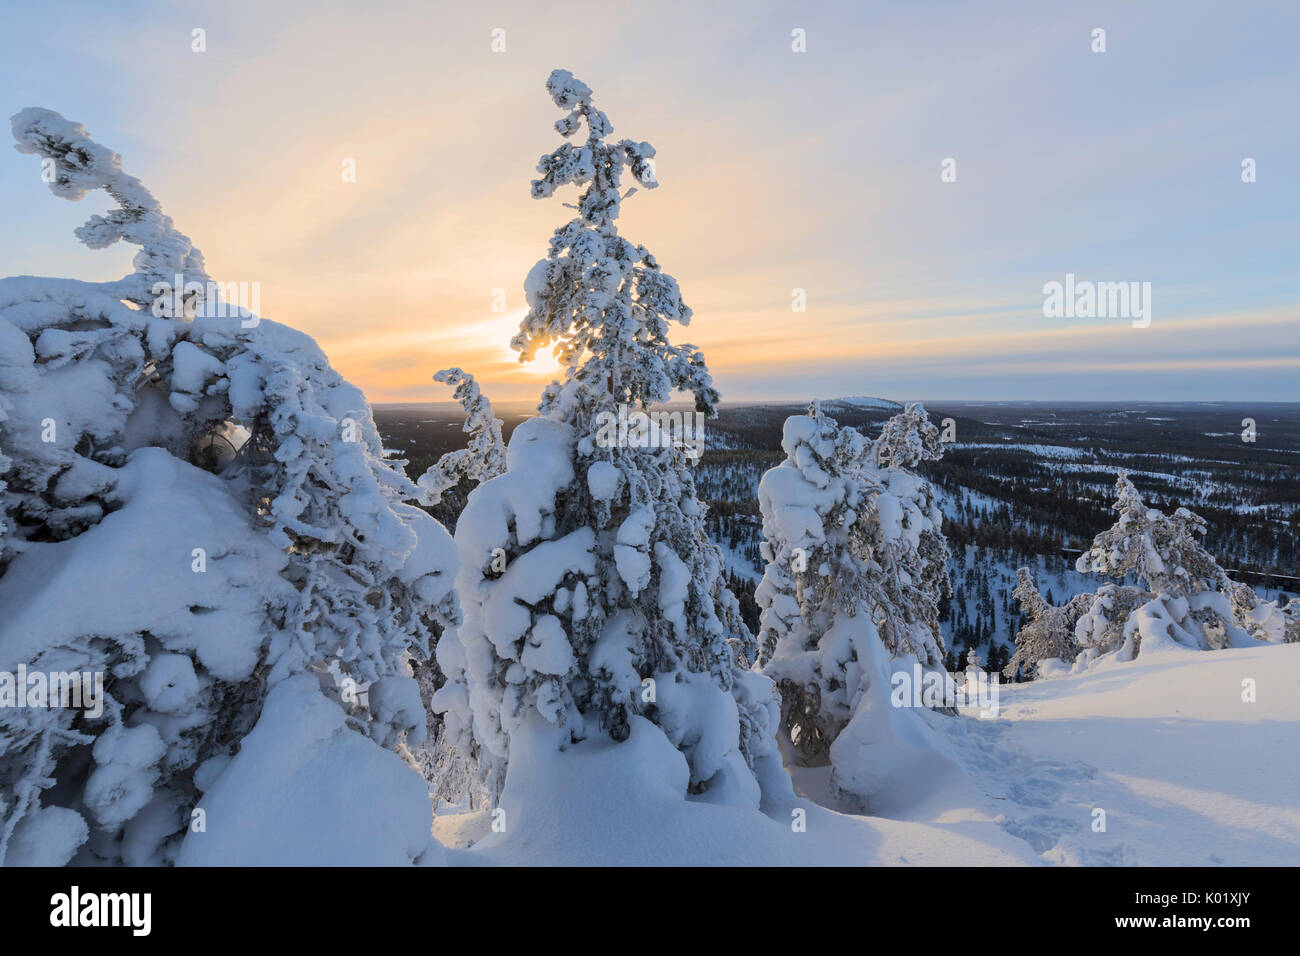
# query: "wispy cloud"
{"points": [[781, 171]]}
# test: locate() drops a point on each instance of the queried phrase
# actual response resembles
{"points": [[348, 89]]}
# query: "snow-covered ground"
{"points": [[1186, 771]]}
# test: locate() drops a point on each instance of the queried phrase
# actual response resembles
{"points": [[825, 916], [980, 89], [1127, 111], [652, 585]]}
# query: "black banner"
{"points": [[337, 906]]}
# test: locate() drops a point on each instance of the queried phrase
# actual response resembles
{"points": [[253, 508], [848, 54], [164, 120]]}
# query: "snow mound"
{"points": [[62, 591], [1174, 749], [601, 803], [888, 757], [304, 790]]}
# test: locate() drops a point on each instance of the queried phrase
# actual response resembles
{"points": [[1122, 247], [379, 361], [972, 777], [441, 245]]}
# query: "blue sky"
{"points": [[817, 171]]}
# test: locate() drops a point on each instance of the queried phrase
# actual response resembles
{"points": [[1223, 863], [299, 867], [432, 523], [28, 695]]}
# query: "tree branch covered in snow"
{"points": [[80, 166], [482, 458]]}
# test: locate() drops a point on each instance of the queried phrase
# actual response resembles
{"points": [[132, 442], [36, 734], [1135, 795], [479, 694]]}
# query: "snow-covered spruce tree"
{"points": [[1162, 551], [482, 458], [454, 764], [1182, 596], [1048, 631], [880, 521], [855, 572], [1102, 628], [1291, 622], [1268, 621], [197, 508], [594, 602], [916, 566]]}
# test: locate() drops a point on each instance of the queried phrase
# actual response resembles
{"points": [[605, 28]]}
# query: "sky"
{"points": [[819, 171]]}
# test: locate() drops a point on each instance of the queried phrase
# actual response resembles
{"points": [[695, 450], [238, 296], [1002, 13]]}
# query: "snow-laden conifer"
{"points": [[1171, 591], [1048, 631], [455, 765], [1163, 552], [196, 507], [593, 599], [484, 455], [855, 572]]}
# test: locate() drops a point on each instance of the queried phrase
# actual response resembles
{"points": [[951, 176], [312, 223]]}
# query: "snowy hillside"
{"points": [[1164, 745], [1187, 770]]}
